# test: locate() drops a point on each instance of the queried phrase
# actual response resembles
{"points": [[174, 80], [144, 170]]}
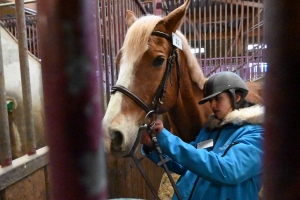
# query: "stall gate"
{"points": [[223, 34]]}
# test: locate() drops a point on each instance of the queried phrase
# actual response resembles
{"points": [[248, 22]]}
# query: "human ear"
{"points": [[237, 97]]}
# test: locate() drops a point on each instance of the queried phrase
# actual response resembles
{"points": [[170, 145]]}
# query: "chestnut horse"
{"points": [[143, 63]]}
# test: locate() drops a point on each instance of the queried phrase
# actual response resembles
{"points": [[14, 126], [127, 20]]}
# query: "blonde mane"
{"points": [[135, 43], [195, 71]]}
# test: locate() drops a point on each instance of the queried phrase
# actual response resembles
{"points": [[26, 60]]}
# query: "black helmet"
{"points": [[224, 81]]}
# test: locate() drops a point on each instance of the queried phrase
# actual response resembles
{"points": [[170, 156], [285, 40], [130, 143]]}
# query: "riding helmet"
{"points": [[221, 82]]}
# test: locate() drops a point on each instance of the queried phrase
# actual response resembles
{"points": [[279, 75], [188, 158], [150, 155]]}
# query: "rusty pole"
{"points": [[25, 77], [282, 127], [5, 147], [70, 59]]}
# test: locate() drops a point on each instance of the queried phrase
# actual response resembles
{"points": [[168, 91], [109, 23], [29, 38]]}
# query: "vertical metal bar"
{"points": [[258, 36], [118, 30], [195, 30], [69, 48], [5, 147], [281, 169], [215, 27], [221, 24], [200, 35], [231, 30], [247, 40], [111, 42], [114, 29], [99, 71], [205, 34], [37, 43], [253, 39], [237, 28], [105, 46], [226, 40], [189, 21], [34, 40], [25, 77], [116, 39], [210, 37], [242, 38]]}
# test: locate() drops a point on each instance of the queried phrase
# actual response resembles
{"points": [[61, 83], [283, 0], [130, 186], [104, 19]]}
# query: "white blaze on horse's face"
{"points": [[119, 125]]}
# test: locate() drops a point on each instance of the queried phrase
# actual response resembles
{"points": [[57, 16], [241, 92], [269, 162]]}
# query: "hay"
{"points": [[166, 190]]}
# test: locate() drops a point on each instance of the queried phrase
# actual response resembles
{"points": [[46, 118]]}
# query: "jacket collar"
{"points": [[249, 115]]}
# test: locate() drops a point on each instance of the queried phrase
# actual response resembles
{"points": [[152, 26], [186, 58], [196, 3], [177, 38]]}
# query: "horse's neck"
{"points": [[187, 117]]}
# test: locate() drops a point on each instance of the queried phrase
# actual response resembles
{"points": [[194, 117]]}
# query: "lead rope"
{"points": [[163, 161], [145, 176]]}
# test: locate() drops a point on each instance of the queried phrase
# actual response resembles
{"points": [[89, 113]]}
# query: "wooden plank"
{"points": [[31, 187], [22, 167]]}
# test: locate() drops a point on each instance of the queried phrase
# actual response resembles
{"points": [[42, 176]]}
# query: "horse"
{"points": [[13, 87], [151, 78]]}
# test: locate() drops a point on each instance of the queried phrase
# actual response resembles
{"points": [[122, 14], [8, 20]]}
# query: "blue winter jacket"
{"points": [[230, 169]]}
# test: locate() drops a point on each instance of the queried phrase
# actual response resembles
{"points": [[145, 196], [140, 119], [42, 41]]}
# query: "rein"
{"points": [[154, 109]]}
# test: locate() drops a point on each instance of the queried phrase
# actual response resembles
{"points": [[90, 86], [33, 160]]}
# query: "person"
{"points": [[224, 162]]}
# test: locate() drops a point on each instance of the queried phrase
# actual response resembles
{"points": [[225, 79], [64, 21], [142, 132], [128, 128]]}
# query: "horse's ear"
{"points": [[173, 21], [130, 18]]}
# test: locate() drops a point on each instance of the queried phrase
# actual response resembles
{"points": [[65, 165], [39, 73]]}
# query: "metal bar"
{"points": [[25, 77], [189, 24], [258, 38], [215, 32], [247, 35], [138, 2], [13, 3], [242, 36], [231, 23], [200, 34], [253, 39], [226, 15], [72, 98], [220, 32], [205, 31], [5, 146], [111, 42], [195, 30], [100, 60], [237, 30], [105, 46], [210, 37]]}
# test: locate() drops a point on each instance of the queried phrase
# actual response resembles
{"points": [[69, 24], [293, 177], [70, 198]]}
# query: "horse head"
{"points": [[147, 65]]}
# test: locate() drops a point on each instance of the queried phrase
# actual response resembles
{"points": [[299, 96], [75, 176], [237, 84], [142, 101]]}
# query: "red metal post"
{"points": [[282, 127], [69, 50]]}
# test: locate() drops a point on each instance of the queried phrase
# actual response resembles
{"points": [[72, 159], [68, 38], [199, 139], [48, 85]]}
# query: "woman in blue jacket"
{"points": [[224, 162]]}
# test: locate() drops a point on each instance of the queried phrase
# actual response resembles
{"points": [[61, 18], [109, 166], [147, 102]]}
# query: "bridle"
{"points": [[161, 90], [154, 109]]}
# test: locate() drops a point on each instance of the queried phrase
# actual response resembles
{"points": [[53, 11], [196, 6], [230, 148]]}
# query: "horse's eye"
{"points": [[158, 61]]}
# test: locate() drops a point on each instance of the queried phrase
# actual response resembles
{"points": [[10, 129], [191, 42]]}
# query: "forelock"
{"points": [[135, 43]]}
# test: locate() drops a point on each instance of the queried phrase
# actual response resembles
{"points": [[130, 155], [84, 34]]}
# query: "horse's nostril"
{"points": [[116, 141]]}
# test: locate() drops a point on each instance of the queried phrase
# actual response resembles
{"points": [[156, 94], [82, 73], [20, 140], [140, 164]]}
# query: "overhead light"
{"points": [[256, 46], [196, 50]]}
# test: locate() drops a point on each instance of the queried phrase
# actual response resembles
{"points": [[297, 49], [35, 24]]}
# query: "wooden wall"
{"points": [[27, 178]]}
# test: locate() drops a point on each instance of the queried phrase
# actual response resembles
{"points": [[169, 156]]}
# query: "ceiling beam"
{"points": [[245, 3]]}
